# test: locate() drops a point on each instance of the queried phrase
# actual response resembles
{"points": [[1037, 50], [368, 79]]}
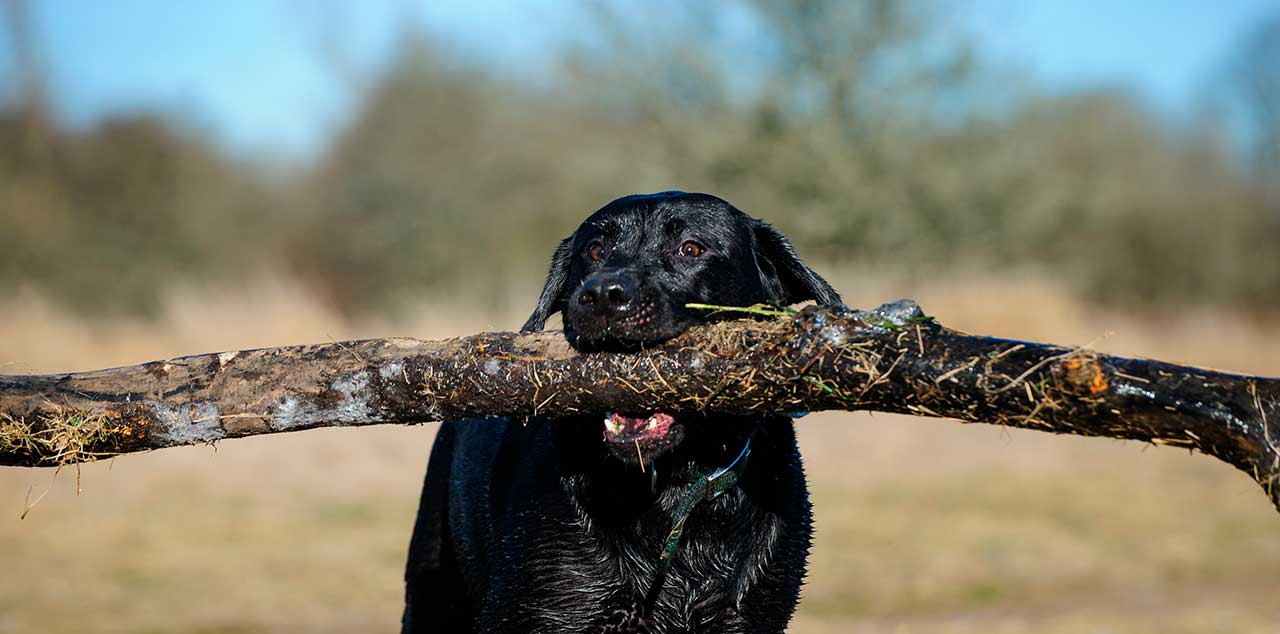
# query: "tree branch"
{"points": [[892, 359]]}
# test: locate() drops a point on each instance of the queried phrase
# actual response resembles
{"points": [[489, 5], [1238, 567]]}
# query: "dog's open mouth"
{"points": [[646, 430], [641, 438]]}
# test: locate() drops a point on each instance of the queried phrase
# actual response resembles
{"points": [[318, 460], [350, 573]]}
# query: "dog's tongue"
{"points": [[621, 428]]}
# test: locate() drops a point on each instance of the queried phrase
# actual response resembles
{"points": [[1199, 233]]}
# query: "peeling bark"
{"points": [[892, 359]]}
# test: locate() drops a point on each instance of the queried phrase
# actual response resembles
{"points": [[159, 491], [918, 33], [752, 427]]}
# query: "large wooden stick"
{"points": [[892, 359]]}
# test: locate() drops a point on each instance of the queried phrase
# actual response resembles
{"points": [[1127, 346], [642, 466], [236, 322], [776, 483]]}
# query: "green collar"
{"points": [[703, 487]]}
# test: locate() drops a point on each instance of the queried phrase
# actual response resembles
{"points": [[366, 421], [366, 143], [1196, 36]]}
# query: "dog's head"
{"points": [[624, 279]]}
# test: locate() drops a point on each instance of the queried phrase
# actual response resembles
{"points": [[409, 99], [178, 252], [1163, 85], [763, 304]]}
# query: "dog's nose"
{"points": [[608, 294]]}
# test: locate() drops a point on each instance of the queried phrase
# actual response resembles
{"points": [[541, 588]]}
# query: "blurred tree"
{"points": [[1253, 92], [857, 62], [108, 217], [28, 73]]}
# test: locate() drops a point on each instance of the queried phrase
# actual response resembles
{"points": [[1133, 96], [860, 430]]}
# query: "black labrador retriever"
{"points": [[660, 521]]}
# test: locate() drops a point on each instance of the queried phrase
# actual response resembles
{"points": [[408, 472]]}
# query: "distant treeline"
{"points": [[868, 137]]}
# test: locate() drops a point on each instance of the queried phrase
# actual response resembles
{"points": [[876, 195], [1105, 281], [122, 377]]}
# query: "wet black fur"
{"points": [[544, 527]]}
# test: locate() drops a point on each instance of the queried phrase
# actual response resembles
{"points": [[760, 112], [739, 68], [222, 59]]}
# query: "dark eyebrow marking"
{"points": [[674, 226], [605, 229]]}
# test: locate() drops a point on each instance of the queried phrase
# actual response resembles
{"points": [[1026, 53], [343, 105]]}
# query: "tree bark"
{"points": [[891, 359]]}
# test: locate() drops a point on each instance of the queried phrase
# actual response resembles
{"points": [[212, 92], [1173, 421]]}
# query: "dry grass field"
{"points": [[922, 526]]}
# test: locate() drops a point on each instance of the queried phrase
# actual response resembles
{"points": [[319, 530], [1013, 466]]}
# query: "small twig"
{"points": [[1031, 370], [758, 309], [344, 346], [1011, 350], [972, 362]]}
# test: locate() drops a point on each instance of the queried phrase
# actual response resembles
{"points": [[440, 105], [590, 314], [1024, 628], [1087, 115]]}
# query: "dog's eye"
{"points": [[595, 251], [691, 249]]}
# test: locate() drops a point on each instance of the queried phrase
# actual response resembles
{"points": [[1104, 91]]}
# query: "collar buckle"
{"points": [[725, 477]]}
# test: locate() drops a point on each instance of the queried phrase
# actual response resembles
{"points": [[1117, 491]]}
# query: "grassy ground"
{"points": [[922, 526]]}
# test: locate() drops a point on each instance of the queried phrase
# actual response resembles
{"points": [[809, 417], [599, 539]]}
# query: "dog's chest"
{"points": [[615, 569]]}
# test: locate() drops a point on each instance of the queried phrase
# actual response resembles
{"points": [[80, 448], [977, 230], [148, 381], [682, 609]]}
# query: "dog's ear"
{"points": [[788, 279], [551, 300]]}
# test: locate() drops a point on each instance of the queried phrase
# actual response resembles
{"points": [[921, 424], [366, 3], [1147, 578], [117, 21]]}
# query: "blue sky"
{"points": [[275, 77], [1164, 49]]}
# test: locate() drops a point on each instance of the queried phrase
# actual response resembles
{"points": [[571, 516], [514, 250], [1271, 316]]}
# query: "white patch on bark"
{"points": [[403, 343], [352, 407], [392, 371], [186, 424]]}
